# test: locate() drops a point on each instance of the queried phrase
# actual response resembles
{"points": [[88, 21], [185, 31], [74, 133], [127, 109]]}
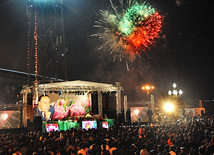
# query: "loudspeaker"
{"points": [[30, 125], [37, 123]]}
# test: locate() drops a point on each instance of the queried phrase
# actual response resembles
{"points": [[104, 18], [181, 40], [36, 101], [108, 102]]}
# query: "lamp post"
{"points": [[175, 92], [148, 88]]}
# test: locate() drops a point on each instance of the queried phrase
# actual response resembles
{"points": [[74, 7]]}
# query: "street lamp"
{"points": [[175, 92], [180, 92], [148, 88], [174, 85], [170, 92]]}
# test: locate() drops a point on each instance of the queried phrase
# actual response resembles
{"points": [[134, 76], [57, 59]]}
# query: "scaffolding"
{"points": [[46, 53]]}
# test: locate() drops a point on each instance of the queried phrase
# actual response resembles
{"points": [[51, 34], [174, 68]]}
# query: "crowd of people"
{"points": [[188, 138]]}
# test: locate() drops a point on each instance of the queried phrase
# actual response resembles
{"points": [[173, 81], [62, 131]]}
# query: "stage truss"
{"points": [[70, 86]]}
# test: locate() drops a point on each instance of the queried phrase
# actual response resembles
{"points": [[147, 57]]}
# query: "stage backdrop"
{"points": [[139, 114], [70, 104]]}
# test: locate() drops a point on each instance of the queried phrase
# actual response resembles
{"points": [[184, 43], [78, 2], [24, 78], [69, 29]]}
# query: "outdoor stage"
{"points": [[73, 99]]}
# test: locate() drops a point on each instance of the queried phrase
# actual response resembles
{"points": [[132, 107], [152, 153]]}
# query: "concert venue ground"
{"points": [[193, 137]]}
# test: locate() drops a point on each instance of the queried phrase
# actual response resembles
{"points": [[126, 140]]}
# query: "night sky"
{"points": [[183, 53]]}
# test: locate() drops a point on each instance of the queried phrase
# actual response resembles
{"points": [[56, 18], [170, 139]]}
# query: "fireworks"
{"points": [[128, 32]]}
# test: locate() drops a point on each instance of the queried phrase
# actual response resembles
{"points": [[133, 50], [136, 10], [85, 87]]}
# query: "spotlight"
{"points": [[169, 107]]}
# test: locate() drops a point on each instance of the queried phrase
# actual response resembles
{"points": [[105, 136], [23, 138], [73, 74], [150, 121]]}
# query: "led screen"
{"points": [[65, 105], [89, 125], [139, 114], [52, 127], [10, 119], [105, 124]]}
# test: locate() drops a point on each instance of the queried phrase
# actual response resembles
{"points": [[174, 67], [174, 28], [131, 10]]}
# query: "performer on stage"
{"points": [[44, 109], [150, 113]]}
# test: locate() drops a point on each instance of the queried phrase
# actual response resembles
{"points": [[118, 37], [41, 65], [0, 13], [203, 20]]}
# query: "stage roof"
{"points": [[76, 86]]}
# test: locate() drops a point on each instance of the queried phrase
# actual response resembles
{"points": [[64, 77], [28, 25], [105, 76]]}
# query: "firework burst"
{"points": [[129, 30]]}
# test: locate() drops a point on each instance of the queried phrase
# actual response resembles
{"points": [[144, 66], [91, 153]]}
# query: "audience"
{"points": [[189, 138]]}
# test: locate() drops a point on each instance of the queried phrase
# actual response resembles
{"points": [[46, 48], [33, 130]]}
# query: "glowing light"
{"points": [[4, 116], [28, 44], [136, 111], [175, 92], [180, 92], [36, 50], [148, 87], [174, 85], [168, 107]]}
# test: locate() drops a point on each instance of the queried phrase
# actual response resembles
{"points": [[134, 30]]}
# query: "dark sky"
{"points": [[183, 54]]}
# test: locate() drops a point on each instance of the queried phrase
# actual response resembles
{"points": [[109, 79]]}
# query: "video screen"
{"points": [[10, 119], [89, 125], [65, 105], [105, 124], [139, 114], [52, 127]]}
